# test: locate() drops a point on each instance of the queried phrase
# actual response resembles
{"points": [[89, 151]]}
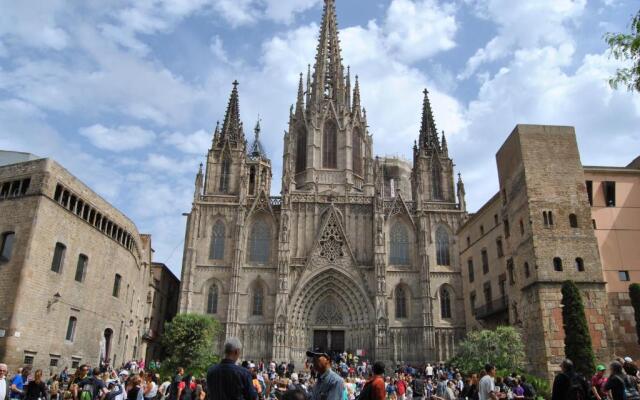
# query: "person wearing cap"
{"points": [[630, 367], [329, 385], [597, 383]]}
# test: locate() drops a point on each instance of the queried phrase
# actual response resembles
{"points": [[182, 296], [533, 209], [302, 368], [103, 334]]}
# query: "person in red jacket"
{"points": [[374, 388], [401, 388]]}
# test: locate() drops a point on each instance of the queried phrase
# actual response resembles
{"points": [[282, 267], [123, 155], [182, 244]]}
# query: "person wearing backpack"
{"points": [[418, 387], [374, 389], [529, 390], [619, 385], [569, 385]]}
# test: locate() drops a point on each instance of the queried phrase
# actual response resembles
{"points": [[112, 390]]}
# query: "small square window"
{"points": [[54, 362], [75, 363], [28, 359], [624, 276]]}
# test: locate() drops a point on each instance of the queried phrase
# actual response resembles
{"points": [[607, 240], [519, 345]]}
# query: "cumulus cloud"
{"points": [[195, 143], [120, 138]]}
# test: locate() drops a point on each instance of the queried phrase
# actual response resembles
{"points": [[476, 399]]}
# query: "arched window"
{"points": [[330, 145], [58, 257], [212, 299], [527, 272], [557, 264], [301, 151], [258, 300], [445, 303], [6, 246], [217, 241], [436, 180], [81, 268], [573, 220], [117, 281], [442, 247], [356, 152], [71, 329], [252, 180], [225, 172], [401, 302], [399, 244], [579, 264], [260, 242]]}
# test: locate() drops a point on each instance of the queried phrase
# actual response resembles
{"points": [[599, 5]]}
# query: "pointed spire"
{"points": [[300, 101], [445, 149], [232, 126], [257, 151], [347, 90], [428, 131], [356, 97], [216, 134], [198, 186], [307, 99], [328, 73], [461, 194]]}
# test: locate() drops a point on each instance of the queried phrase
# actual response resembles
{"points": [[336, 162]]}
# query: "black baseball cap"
{"points": [[314, 354]]}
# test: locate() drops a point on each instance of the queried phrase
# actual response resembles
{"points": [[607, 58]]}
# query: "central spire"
{"points": [[232, 127], [328, 77], [428, 132]]}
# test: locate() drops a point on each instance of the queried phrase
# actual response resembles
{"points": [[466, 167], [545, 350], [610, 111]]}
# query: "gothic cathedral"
{"points": [[358, 253]]}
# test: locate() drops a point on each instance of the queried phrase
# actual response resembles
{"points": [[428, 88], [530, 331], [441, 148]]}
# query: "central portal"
{"points": [[328, 341]]}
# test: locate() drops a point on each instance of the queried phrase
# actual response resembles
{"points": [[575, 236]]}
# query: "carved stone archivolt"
{"points": [[329, 314]]}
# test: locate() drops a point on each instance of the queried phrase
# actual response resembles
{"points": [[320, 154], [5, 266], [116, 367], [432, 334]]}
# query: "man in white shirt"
{"points": [[3, 381], [429, 371], [487, 388]]}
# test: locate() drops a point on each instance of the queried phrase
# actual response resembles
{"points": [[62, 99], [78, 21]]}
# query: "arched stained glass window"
{"points": [[260, 242], [445, 303], [442, 247], [401, 302], [356, 152], [301, 151], [330, 145], [436, 180], [212, 299], [216, 252], [225, 172], [258, 300], [399, 245]]}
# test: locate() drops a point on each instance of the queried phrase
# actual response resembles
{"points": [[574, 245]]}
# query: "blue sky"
{"points": [[125, 94]]}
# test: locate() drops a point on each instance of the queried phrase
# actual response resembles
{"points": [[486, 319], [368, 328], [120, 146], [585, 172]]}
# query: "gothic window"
{"points": [[442, 247], [81, 268], [6, 247], [436, 181], [258, 300], [212, 299], [225, 172], [116, 285], [71, 329], [58, 257], [573, 220], [301, 151], [399, 243], [579, 264], [445, 303], [401, 302], [356, 150], [557, 264], [260, 242], [217, 241], [252, 181], [330, 146]]}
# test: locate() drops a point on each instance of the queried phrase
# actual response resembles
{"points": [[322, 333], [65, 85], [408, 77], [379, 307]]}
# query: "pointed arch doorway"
{"points": [[329, 327]]}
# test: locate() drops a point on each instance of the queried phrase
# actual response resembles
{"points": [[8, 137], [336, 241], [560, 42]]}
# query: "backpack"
{"points": [[577, 386], [187, 393], [529, 391], [417, 386], [630, 391], [365, 393]]}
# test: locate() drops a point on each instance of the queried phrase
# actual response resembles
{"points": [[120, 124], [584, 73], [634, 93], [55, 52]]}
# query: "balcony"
{"points": [[496, 306]]}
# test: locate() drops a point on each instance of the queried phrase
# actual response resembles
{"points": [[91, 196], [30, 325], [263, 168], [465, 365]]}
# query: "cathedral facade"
{"points": [[358, 253]]}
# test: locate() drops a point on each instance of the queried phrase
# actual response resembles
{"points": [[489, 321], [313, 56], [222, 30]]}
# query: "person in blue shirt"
{"points": [[18, 382], [227, 380]]}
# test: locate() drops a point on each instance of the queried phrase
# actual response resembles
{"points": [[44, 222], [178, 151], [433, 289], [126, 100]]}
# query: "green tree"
{"points": [[634, 295], [188, 343], [626, 47], [501, 347], [577, 340]]}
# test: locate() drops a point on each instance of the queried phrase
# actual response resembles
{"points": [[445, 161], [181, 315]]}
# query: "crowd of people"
{"points": [[324, 376]]}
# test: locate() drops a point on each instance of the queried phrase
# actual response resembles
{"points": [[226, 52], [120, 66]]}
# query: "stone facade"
{"points": [[62, 247], [162, 302], [358, 253], [538, 232]]}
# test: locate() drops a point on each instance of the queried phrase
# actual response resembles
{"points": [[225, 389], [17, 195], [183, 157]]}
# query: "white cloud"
{"points": [[417, 29], [121, 138], [34, 23], [196, 143], [285, 10]]}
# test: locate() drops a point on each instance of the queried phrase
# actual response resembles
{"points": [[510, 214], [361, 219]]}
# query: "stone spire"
{"points": [[328, 77], [216, 134], [257, 150], [307, 99], [300, 100], [347, 90], [356, 97], [232, 127], [428, 131], [445, 149], [461, 193], [198, 184]]}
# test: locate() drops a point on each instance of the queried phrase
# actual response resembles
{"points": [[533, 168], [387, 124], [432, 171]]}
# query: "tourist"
{"points": [[441, 386], [175, 382], [619, 385], [3, 381], [391, 389], [36, 389], [329, 385], [134, 388], [486, 387], [18, 382], [597, 383], [429, 371], [150, 387], [294, 395], [517, 390], [420, 389], [569, 385], [529, 391], [373, 389], [630, 367], [227, 380], [401, 388]]}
